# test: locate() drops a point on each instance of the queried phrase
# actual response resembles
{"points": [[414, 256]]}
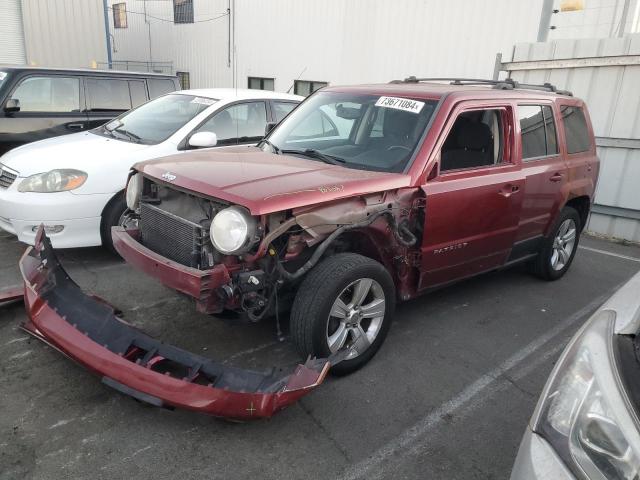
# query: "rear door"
{"points": [[474, 199], [50, 105], [544, 169]]}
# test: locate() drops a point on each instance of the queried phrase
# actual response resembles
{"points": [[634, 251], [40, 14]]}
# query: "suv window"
{"points": [[107, 94], [240, 123], [475, 140], [282, 109], [538, 131], [576, 130], [159, 86], [138, 92], [48, 94]]}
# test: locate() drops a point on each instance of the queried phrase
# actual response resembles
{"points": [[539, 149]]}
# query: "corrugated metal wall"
{"points": [[11, 34], [64, 33], [606, 74]]}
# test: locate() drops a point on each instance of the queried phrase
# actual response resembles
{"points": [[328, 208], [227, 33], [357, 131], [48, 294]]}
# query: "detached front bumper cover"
{"points": [[88, 330]]}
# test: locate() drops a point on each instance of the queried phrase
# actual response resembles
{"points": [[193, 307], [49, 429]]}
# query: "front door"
{"points": [[474, 201], [50, 105]]}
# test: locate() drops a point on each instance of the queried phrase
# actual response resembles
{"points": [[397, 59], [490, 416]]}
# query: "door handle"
{"points": [[75, 126], [509, 190], [556, 177]]}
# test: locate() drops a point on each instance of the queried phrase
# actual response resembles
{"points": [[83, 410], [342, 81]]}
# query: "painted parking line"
{"points": [[611, 254], [479, 390]]}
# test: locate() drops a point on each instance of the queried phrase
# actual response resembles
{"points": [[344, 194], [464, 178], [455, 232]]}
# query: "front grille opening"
{"points": [[6, 178], [170, 367]]}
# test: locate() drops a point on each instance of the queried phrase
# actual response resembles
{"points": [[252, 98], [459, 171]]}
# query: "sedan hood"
{"points": [[77, 151], [266, 182]]}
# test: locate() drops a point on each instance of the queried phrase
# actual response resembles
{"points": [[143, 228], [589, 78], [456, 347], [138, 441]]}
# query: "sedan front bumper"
{"points": [[87, 330]]}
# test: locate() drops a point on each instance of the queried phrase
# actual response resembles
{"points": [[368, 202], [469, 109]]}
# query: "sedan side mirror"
{"points": [[203, 140], [12, 105], [270, 126]]}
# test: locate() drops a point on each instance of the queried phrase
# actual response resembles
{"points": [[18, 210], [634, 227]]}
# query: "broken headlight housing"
{"points": [[584, 411], [54, 181], [233, 230]]}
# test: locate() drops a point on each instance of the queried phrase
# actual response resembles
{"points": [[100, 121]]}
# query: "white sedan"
{"points": [[74, 184]]}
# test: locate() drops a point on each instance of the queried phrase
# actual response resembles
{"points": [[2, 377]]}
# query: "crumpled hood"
{"points": [[68, 151], [266, 182]]}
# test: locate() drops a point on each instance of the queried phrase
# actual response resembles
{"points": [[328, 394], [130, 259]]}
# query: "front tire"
{"points": [[346, 302], [559, 248], [112, 217]]}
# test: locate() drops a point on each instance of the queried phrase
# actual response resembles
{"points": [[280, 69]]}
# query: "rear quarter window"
{"points": [[575, 128]]}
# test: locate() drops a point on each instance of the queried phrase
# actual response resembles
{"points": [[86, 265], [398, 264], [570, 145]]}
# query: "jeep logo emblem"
{"points": [[168, 176]]}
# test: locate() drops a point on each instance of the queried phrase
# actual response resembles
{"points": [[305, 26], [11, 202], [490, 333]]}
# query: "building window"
{"points": [[183, 78], [259, 83], [306, 87], [120, 15], [182, 11]]}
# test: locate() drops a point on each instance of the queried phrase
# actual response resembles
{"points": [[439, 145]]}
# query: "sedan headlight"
{"points": [[233, 230], [53, 181], [134, 191], [584, 412]]}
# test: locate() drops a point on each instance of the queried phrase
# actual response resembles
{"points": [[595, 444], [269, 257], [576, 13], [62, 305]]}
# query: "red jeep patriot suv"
{"points": [[361, 196], [365, 195]]}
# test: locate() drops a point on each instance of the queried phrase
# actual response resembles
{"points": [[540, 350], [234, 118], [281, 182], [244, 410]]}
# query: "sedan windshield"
{"points": [[369, 132], [157, 120]]}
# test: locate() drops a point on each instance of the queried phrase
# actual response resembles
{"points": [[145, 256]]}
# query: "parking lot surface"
{"points": [[448, 395]]}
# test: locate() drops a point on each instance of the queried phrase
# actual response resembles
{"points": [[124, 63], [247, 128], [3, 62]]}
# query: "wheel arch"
{"points": [[582, 204]]}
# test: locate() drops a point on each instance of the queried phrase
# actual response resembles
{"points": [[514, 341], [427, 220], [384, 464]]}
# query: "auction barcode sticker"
{"points": [[405, 104], [203, 101]]}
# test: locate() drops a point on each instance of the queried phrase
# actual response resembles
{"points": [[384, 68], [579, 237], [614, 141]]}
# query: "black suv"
{"points": [[38, 103]]}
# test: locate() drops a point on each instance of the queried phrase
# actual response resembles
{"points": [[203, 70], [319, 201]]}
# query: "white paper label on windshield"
{"points": [[3, 75], [404, 104], [203, 101]]}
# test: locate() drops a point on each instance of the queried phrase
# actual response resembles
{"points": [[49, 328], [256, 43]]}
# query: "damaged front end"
{"points": [[89, 331]]}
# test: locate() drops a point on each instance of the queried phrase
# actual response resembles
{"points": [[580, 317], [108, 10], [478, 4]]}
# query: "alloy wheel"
{"points": [[563, 244]]}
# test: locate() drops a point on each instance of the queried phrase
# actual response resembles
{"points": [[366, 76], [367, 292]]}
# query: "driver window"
{"points": [[475, 140], [240, 123], [48, 94]]}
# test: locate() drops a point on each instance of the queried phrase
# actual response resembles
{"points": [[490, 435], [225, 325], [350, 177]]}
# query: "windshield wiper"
{"points": [[276, 150], [315, 154], [132, 136]]}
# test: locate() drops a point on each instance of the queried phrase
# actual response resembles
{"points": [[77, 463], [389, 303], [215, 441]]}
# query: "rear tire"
{"points": [[559, 248], [112, 217], [346, 301]]}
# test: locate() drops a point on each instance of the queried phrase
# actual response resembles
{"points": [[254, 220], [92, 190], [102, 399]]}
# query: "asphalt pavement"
{"points": [[447, 397]]}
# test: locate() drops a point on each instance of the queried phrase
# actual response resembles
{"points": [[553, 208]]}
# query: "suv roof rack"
{"points": [[506, 84]]}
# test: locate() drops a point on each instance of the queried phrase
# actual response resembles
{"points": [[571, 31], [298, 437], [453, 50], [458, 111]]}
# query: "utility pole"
{"points": [[623, 18], [105, 7]]}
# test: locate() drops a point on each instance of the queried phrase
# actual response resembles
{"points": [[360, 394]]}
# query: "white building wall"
{"points": [[598, 19], [333, 40], [64, 33], [11, 34]]}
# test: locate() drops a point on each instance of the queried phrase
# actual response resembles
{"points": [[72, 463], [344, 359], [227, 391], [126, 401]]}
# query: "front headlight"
{"points": [[233, 230], [53, 181], [134, 191], [584, 412]]}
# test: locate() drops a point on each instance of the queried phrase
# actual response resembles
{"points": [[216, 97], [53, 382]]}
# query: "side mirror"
{"points": [[203, 140], [268, 127], [12, 105]]}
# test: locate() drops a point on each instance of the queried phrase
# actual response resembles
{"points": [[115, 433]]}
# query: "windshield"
{"points": [[370, 132], [157, 120], [3, 75]]}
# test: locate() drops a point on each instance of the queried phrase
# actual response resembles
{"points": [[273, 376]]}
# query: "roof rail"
{"points": [[506, 84]]}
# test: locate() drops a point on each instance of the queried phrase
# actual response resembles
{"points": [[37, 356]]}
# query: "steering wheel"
{"points": [[392, 147]]}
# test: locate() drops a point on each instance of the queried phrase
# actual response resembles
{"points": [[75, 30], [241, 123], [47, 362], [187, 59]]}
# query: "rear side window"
{"points": [[48, 94], [282, 109], [138, 93], [576, 130], [538, 131], [105, 94], [159, 86]]}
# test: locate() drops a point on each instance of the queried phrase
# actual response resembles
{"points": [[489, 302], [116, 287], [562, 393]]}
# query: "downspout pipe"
{"points": [[107, 34]]}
